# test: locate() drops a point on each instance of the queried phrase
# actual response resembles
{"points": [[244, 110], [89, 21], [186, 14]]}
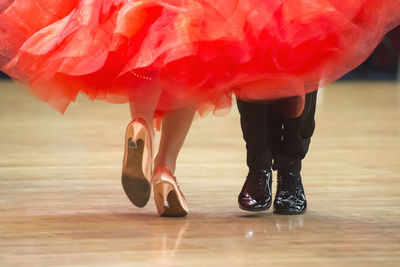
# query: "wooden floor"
{"points": [[61, 202]]}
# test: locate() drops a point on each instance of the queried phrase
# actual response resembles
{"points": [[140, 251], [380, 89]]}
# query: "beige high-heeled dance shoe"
{"points": [[137, 163], [168, 197]]}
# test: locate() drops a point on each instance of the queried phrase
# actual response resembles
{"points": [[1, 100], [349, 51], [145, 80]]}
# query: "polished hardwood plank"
{"points": [[61, 202]]}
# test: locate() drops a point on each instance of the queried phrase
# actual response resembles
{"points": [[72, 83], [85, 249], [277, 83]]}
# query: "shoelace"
{"points": [[289, 183], [261, 180]]}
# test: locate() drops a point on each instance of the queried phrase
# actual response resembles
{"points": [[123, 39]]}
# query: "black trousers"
{"points": [[272, 138]]}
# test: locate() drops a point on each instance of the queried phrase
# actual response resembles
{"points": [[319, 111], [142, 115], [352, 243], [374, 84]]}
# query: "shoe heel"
{"points": [[167, 201], [136, 170], [161, 192]]}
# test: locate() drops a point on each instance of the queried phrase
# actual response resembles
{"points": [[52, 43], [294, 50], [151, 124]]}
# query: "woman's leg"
{"points": [[137, 168], [145, 112], [175, 126], [169, 199]]}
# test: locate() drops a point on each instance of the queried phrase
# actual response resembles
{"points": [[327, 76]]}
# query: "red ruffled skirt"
{"points": [[183, 52]]}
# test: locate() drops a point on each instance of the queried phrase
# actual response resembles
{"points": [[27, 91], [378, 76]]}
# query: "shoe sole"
{"points": [[255, 209], [173, 208], [288, 212], [134, 182]]}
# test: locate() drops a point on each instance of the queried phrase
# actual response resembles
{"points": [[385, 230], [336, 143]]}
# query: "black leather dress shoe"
{"points": [[290, 198], [256, 192]]}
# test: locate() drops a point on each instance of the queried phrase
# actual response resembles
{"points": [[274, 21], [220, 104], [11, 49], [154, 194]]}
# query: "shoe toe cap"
{"points": [[248, 202]]}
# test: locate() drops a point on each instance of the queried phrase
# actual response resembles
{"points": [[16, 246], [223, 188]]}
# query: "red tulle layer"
{"points": [[185, 52]]}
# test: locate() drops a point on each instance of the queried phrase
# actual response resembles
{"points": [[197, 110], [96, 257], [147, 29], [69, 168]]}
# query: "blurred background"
{"points": [[383, 64]]}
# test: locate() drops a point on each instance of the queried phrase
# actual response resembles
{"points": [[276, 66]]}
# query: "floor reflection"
{"points": [[289, 223], [163, 241]]}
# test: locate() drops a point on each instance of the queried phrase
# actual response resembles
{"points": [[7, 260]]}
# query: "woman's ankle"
{"points": [[171, 164]]}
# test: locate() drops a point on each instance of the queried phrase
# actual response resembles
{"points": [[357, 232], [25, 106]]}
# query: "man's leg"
{"points": [[256, 192], [296, 137]]}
